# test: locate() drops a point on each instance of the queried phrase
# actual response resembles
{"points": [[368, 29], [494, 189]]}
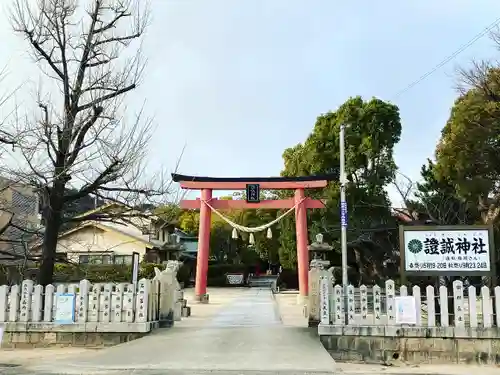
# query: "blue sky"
{"points": [[237, 82]]}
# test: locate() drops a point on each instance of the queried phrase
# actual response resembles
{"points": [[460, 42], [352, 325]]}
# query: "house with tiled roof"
{"points": [[114, 241]]}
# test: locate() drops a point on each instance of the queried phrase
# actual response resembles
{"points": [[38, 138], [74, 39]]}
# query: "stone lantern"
{"points": [[319, 251], [318, 266]]}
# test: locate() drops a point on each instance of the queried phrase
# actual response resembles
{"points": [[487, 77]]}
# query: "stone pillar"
{"points": [[317, 270], [302, 251], [203, 248]]}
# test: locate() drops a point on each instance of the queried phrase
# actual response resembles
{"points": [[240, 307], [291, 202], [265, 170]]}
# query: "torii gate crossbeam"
{"points": [[300, 202]]}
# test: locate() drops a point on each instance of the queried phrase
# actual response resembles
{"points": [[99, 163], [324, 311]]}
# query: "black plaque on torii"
{"points": [[253, 193]]}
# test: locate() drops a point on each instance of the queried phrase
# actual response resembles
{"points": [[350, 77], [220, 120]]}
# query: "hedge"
{"points": [[101, 273], [289, 279], [216, 270]]}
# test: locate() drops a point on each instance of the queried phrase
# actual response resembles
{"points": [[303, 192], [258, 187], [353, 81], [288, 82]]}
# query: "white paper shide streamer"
{"points": [[242, 228]]}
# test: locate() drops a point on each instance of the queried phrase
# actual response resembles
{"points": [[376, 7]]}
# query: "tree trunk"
{"points": [[53, 222]]}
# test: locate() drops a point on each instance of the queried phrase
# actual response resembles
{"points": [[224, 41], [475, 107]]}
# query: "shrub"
{"points": [[289, 279], [215, 270], [216, 275], [102, 273], [184, 274], [98, 273]]}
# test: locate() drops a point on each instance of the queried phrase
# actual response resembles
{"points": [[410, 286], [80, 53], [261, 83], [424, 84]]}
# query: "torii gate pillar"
{"points": [[203, 247], [300, 202], [301, 239]]}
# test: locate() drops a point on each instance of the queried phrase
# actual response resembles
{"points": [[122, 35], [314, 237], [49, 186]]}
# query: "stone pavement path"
{"points": [[256, 308], [239, 332]]}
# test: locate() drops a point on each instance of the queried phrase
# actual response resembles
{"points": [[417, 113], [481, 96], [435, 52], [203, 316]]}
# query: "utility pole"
{"points": [[343, 221]]}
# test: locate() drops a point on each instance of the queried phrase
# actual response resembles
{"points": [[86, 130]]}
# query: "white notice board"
{"points": [[65, 308], [406, 311]]}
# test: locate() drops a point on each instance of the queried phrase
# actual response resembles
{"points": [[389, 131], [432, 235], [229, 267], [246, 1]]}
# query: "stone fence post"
{"points": [[316, 272]]}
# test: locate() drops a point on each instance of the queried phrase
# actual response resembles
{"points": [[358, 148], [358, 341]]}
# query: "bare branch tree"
{"points": [[440, 206], [483, 77], [6, 138], [82, 136], [405, 188]]}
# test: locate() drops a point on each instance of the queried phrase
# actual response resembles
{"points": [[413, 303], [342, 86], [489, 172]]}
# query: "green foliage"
{"points": [[288, 279], [169, 212], [463, 185], [265, 248], [189, 222], [249, 255], [216, 270], [288, 245], [120, 273], [184, 273], [467, 156], [438, 201], [216, 275], [102, 273], [67, 273], [372, 129], [223, 248]]}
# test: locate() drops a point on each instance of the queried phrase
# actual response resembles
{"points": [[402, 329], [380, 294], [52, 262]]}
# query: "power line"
{"points": [[486, 30]]}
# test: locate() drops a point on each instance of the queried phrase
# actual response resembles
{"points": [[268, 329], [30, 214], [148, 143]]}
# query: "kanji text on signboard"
{"points": [[447, 250]]}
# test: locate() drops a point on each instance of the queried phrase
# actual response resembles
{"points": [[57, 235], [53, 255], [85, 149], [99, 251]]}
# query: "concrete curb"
{"points": [[277, 308]]}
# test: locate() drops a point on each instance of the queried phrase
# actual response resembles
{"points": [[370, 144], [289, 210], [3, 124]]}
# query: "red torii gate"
{"points": [[300, 202]]}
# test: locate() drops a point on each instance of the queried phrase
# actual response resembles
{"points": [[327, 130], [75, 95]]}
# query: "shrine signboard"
{"points": [[466, 250]]}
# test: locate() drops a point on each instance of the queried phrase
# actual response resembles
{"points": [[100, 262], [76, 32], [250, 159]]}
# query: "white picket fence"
{"points": [[376, 306], [99, 303]]}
